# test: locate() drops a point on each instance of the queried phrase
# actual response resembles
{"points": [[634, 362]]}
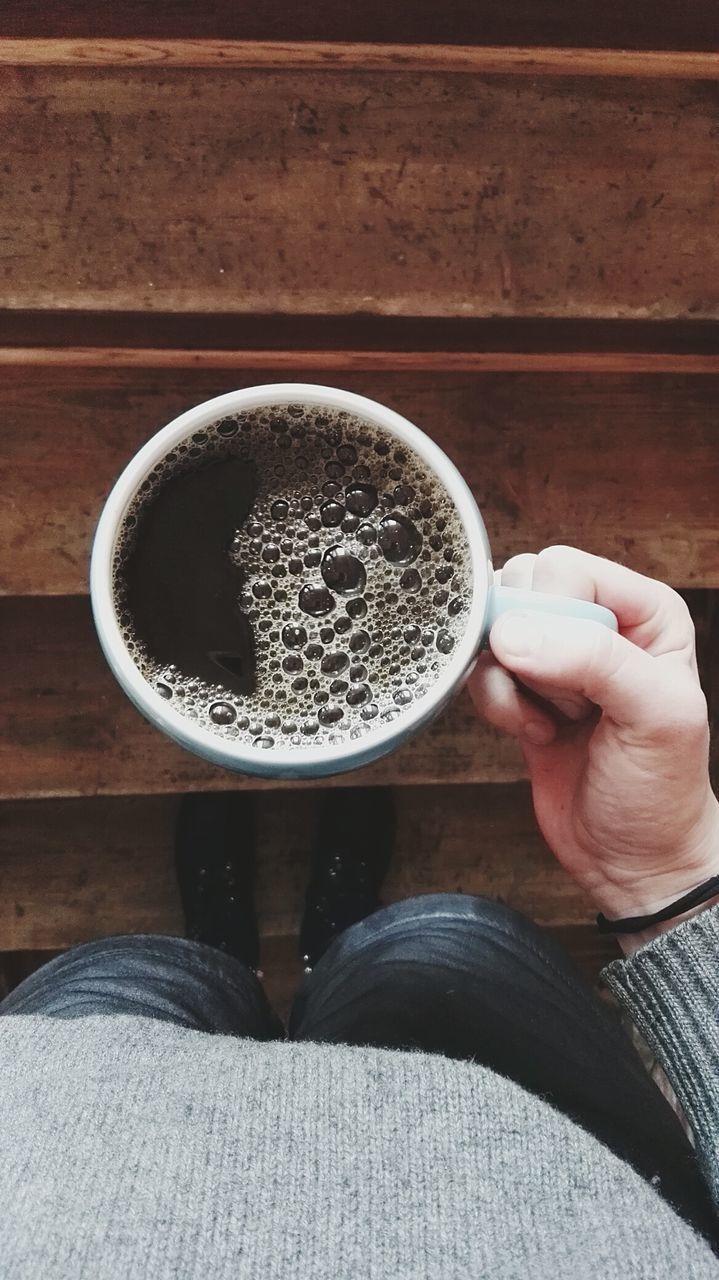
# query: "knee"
{"points": [[472, 909], [417, 926]]}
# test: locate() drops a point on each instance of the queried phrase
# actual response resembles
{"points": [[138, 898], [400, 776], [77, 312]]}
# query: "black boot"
{"points": [[353, 847], [215, 863]]}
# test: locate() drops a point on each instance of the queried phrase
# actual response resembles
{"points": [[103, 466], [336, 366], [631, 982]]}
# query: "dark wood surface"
{"points": [[60, 332], [74, 870], [626, 467], [78, 869], [394, 230], [66, 729], [630, 24], [393, 193]]}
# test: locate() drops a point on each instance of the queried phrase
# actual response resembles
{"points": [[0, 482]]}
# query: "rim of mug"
{"points": [[305, 760]]}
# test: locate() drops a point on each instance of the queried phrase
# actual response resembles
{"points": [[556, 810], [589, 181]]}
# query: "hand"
{"points": [[614, 730]]}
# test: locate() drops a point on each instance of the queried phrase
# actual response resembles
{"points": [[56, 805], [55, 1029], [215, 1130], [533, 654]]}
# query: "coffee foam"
{"points": [[357, 578]]}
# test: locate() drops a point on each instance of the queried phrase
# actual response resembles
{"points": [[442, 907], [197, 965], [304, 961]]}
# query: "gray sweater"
{"points": [[132, 1150]]}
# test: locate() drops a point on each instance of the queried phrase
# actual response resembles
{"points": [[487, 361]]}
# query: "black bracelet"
{"points": [[636, 924]]}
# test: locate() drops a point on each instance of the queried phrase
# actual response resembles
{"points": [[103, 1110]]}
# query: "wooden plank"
{"points": [[200, 332], [594, 362], [598, 462], [78, 869], [391, 193], [86, 869], [66, 729], [629, 24], [324, 55]]}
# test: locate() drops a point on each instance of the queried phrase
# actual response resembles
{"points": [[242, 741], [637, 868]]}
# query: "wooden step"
{"points": [[324, 56], [353, 342], [66, 728], [387, 192], [624, 24], [80, 869], [624, 466], [75, 870]]}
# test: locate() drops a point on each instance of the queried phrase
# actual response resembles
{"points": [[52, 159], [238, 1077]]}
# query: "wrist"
{"points": [[631, 892], [631, 942]]}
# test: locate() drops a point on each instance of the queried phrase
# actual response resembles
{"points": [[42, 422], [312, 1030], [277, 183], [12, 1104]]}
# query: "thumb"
{"points": [[585, 658]]}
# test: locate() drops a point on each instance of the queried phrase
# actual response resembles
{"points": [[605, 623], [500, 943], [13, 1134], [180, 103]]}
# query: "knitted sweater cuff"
{"points": [[670, 988]]}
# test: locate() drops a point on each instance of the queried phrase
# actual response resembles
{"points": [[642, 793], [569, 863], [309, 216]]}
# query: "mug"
{"points": [[488, 600]]}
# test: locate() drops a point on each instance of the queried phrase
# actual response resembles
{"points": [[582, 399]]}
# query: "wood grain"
{"points": [[324, 55], [395, 193], [625, 467], [66, 729], [594, 362], [79, 869], [199, 332], [627, 24]]}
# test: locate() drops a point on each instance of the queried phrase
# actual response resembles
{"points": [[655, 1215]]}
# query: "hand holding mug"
{"points": [[613, 727]]}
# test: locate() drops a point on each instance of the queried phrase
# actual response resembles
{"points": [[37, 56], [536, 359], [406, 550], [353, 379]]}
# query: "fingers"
{"points": [[647, 694], [521, 572], [499, 701], [650, 614]]}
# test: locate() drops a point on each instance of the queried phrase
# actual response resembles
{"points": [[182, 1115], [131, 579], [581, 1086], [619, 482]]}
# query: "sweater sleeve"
{"points": [[670, 988]]}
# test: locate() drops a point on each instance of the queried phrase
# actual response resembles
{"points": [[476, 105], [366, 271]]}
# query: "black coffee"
{"points": [[292, 576]]}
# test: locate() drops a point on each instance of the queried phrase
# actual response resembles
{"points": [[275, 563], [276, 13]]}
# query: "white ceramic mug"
{"points": [[487, 602]]}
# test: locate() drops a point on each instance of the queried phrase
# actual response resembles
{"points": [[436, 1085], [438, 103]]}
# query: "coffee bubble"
{"points": [[366, 534], [399, 540], [359, 642], [316, 601], [360, 499], [222, 713], [333, 663], [294, 636], [352, 567], [359, 695], [330, 714], [331, 514], [343, 572], [410, 580]]}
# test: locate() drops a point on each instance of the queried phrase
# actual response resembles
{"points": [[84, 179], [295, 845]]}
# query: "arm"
{"points": [[670, 988], [616, 739]]}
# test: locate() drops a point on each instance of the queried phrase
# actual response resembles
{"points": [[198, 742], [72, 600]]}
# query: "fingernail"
{"points": [[520, 635], [539, 732]]}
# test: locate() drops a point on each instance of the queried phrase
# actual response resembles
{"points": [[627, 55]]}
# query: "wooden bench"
{"points": [[501, 222]]}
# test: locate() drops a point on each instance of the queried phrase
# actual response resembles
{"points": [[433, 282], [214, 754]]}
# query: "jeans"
{"points": [[449, 974]]}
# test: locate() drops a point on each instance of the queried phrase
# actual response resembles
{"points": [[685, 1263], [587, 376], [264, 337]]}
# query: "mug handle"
{"points": [[501, 599]]}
